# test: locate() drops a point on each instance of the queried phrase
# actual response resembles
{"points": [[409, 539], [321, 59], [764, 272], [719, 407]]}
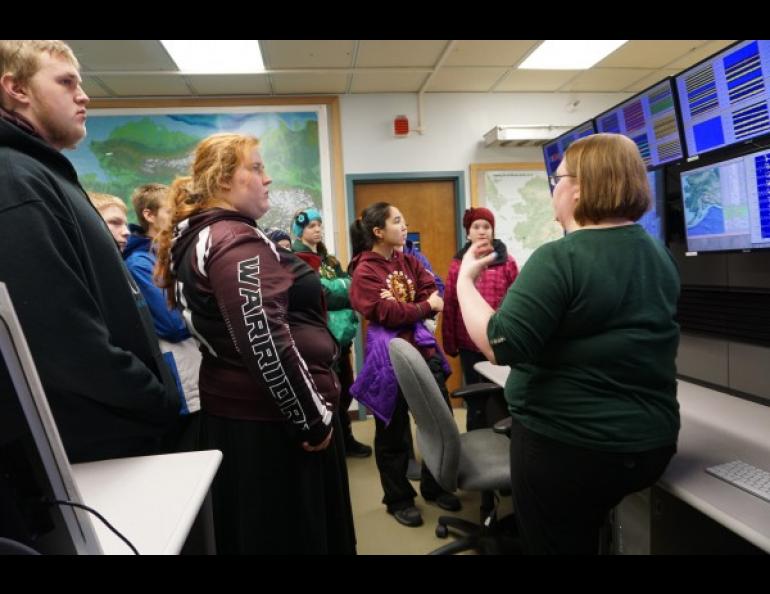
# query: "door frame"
{"points": [[351, 179], [458, 177]]}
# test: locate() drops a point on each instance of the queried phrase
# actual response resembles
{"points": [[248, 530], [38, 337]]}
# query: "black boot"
{"points": [[356, 449]]}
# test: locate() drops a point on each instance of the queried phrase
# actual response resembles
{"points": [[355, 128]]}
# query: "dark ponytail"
{"points": [[362, 229]]}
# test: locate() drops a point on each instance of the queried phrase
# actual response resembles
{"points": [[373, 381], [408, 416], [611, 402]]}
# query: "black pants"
{"points": [[563, 493], [185, 436], [475, 404], [467, 360], [345, 374], [392, 444]]}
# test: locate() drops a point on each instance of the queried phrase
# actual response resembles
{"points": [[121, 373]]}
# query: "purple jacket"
{"points": [[376, 386]]}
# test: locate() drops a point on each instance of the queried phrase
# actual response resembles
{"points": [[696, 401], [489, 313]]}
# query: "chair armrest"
{"points": [[503, 427], [480, 389]]}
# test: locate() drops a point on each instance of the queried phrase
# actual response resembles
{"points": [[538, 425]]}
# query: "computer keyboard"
{"points": [[744, 476]]}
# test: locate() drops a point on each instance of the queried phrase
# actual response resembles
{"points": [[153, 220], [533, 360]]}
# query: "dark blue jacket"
{"points": [[140, 261]]}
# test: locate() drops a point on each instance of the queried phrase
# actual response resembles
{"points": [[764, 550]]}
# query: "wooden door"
{"points": [[430, 210]]}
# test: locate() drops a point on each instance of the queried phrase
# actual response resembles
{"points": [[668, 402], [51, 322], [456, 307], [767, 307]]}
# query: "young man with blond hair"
{"points": [[152, 208], [86, 324], [114, 213]]}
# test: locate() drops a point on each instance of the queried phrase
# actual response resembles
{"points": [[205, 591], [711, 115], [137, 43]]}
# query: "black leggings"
{"points": [[563, 493], [392, 446], [345, 374]]}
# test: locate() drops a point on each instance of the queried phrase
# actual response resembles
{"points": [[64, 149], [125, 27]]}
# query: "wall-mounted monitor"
{"points": [[653, 220], [727, 204], [553, 150], [650, 120], [724, 99]]}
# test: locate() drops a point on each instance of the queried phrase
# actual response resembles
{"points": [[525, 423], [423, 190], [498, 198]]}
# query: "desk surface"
{"points": [[151, 500], [495, 373], [716, 428]]}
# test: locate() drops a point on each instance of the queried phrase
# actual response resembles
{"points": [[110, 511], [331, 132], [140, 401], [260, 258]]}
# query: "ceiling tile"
{"points": [[139, 86], [307, 54], [229, 84], [606, 80], [309, 83], [388, 82], [655, 53], [703, 52], [406, 52], [650, 80], [471, 66], [489, 52], [463, 79], [93, 89], [123, 54], [535, 80]]}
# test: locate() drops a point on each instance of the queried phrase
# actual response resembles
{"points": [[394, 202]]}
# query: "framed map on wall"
{"points": [[127, 147], [519, 196]]}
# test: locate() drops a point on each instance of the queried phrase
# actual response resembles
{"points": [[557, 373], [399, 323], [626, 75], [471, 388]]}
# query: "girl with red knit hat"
{"points": [[493, 284]]}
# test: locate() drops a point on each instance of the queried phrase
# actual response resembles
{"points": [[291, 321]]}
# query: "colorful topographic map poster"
{"points": [[124, 150]]}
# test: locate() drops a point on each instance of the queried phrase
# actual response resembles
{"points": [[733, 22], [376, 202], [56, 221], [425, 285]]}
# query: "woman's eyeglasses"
{"points": [[554, 179]]}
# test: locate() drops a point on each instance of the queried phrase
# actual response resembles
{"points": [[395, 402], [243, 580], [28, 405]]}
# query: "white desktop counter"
{"points": [[152, 500]]}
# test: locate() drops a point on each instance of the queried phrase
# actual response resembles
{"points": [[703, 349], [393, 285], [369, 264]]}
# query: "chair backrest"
{"points": [[437, 435]]}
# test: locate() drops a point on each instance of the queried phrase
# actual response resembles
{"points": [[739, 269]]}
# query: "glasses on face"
{"points": [[554, 179]]}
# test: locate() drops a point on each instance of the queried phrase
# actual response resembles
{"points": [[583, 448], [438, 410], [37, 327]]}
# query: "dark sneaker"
{"points": [[414, 470], [446, 501], [355, 449], [409, 516]]}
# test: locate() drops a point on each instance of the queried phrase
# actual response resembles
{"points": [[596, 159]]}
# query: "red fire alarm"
{"points": [[401, 126]]}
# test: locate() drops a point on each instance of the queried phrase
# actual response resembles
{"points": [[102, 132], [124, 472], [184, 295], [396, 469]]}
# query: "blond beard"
{"points": [[54, 132], [61, 136]]}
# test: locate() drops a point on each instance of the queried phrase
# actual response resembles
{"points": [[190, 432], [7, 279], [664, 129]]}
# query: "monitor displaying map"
{"points": [[727, 204], [652, 221]]}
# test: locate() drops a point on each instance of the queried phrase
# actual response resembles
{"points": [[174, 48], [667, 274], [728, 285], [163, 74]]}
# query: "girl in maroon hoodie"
{"points": [[395, 293], [267, 389]]}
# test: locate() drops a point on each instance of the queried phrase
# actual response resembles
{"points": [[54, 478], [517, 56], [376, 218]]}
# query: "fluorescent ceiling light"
{"points": [[570, 54], [215, 56]]}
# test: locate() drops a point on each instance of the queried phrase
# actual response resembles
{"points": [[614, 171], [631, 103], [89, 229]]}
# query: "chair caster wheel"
{"points": [[442, 531]]}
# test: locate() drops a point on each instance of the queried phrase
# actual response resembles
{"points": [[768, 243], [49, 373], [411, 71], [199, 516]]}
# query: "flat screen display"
{"points": [[553, 150], [724, 100], [653, 221], [727, 204], [650, 120]]}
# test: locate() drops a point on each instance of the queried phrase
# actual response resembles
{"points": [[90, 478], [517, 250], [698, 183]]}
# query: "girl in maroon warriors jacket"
{"points": [[266, 385]]}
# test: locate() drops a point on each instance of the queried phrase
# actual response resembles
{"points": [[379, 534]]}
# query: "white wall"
{"points": [[455, 124]]}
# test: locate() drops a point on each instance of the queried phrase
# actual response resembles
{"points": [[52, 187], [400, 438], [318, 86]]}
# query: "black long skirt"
{"points": [[272, 497]]}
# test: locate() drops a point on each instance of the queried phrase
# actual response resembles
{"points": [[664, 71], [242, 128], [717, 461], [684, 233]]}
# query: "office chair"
{"points": [[488, 402], [474, 461]]}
